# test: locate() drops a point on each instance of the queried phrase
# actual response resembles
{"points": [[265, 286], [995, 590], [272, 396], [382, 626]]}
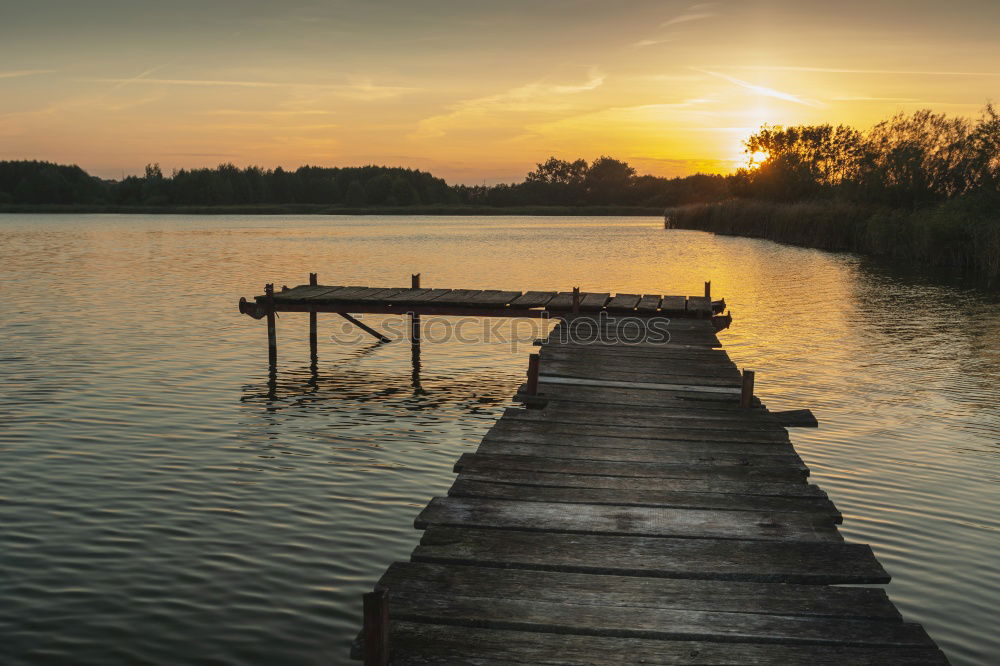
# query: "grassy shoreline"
{"points": [[325, 209], [962, 234]]}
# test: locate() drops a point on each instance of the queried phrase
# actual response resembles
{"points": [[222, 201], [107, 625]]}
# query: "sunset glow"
{"points": [[469, 93]]}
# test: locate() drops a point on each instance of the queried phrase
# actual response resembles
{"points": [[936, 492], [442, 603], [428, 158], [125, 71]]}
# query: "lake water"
{"points": [[162, 503]]}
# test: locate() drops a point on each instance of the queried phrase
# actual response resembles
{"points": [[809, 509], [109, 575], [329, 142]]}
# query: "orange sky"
{"points": [[469, 91]]}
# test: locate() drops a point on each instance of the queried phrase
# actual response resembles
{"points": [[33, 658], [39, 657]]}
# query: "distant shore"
{"points": [[323, 209]]}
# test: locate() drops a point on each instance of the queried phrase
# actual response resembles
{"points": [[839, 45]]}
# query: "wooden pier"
{"points": [[644, 507]]}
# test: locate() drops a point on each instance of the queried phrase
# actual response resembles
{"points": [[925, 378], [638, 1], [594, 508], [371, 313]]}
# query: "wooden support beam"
{"points": [[376, 628], [272, 333], [531, 388], [746, 392], [313, 281], [366, 329], [708, 290]]}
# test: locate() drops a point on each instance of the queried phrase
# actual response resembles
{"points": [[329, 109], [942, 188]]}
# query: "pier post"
{"points": [[576, 300], [313, 281], [746, 394], [415, 340], [376, 628], [415, 318], [708, 291], [272, 334], [531, 388]]}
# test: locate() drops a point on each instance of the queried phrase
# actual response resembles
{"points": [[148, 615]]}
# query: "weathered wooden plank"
{"points": [[720, 377], [565, 479], [788, 561], [625, 520], [545, 432], [648, 303], [474, 461], [597, 395], [303, 291], [610, 383], [673, 305], [561, 301], [455, 297], [377, 295], [619, 347], [413, 579], [421, 644], [649, 351], [405, 296], [639, 364], [591, 301], [699, 304], [658, 623], [422, 299], [346, 294], [493, 298], [651, 454], [656, 322], [629, 496], [320, 294], [623, 302], [631, 426], [588, 432], [533, 299], [560, 413], [678, 410]]}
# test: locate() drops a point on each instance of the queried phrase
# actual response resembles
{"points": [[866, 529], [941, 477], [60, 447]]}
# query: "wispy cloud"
{"points": [[643, 43], [763, 90], [361, 89], [698, 12], [536, 97], [18, 73], [837, 70]]}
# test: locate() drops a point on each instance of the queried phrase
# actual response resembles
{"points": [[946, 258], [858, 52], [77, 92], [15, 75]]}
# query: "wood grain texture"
{"points": [[780, 561], [422, 644], [625, 520]]}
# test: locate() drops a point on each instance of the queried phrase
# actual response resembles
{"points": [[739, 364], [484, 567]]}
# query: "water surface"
{"points": [[161, 502]]}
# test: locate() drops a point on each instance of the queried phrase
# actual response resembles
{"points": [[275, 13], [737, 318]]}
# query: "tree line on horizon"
{"points": [[907, 161], [606, 181]]}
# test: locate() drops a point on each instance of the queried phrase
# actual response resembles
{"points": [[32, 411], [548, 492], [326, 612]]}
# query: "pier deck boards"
{"points": [[491, 302], [637, 515]]}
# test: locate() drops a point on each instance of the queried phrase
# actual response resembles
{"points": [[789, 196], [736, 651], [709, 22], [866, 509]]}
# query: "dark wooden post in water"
{"points": [[746, 395], [415, 340], [415, 318], [576, 299], [313, 281], [708, 291], [272, 334], [531, 388], [376, 628]]}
